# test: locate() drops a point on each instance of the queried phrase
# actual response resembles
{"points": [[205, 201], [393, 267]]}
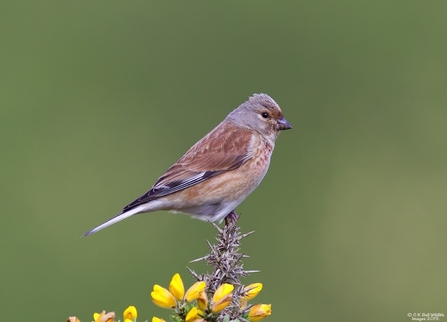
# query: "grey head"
{"points": [[262, 114]]}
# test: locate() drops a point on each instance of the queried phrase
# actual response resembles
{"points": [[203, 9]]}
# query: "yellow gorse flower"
{"points": [[259, 311], [104, 317], [155, 319], [193, 315], [163, 298], [251, 291], [202, 301], [222, 297], [73, 319], [130, 313], [194, 290], [168, 299], [176, 287], [97, 315]]}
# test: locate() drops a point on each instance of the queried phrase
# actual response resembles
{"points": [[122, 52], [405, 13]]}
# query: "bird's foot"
{"points": [[232, 217]]}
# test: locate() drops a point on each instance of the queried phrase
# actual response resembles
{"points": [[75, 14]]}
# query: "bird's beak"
{"points": [[283, 124]]}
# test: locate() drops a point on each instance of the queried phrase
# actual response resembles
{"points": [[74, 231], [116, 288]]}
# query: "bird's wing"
{"points": [[224, 149]]}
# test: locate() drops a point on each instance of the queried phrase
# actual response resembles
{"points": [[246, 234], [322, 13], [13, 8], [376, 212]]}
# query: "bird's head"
{"points": [[262, 114]]}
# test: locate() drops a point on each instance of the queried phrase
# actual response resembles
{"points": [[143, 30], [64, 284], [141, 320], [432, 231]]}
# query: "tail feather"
{"points": [[116, 219]]}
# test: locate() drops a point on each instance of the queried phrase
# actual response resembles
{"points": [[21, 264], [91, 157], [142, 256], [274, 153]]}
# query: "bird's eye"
{"points": [[265, 115]]}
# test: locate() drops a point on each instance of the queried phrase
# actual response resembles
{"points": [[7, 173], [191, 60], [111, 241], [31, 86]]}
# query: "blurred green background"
{"points": [[98, 98]]}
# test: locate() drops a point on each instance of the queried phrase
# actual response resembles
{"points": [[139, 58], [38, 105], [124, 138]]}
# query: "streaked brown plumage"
{"points": [[219, 171]]}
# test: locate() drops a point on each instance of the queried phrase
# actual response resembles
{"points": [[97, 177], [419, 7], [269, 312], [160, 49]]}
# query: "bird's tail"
{"points": [[116, 219]]}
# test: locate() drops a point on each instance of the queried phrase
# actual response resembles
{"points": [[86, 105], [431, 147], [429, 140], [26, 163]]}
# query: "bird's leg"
{"points": [[232, 217]]}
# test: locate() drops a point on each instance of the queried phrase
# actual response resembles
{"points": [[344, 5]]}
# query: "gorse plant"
{"points": [[219, 296]]}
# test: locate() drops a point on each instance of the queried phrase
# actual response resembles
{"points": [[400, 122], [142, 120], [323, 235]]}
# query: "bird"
{"points": [[218, 172]]}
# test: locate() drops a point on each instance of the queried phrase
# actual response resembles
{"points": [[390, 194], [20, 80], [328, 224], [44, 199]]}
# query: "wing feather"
{"points": [[223, 149]]}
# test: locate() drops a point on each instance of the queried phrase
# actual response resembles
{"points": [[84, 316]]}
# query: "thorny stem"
{"points": [[226, 260]]}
